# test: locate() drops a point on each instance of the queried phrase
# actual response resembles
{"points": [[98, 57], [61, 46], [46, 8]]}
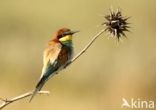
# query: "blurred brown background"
{"points": [[100, 78]]}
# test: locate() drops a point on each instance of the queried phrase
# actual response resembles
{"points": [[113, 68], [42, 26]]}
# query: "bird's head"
{"points": [[64, 35]]}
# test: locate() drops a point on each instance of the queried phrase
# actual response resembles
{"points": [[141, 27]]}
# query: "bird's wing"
{"points": [[50, 65], [50, 58]]}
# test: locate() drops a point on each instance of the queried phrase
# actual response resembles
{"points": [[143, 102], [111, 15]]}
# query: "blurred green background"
{"points": [[100, 78]]}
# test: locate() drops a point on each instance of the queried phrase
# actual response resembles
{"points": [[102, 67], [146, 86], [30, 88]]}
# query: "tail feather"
{"points": [[50, 72], [38, 87]]}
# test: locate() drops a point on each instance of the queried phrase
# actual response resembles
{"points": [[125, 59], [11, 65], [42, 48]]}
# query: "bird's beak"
{"points": [[73, 32], [70, 32]]}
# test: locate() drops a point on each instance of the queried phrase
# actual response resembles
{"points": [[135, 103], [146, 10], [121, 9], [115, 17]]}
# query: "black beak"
{"points": [[73, 32], [70, 32]]}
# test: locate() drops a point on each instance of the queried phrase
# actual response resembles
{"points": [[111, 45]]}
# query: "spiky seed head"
{"points": [[116, 24]]}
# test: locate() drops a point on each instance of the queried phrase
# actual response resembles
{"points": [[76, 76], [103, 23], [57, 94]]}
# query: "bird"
{"points": [[56, 56]]}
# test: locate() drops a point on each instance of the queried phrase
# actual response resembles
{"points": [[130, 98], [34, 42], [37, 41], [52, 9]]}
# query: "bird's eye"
{"points": [[66, 33]]}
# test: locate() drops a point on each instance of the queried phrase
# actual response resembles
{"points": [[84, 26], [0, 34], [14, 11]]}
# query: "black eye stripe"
{"points": [[64, 34]]}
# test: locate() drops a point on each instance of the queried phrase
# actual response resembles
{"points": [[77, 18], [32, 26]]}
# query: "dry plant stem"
{"points": [[86, 47], [6, 102]]}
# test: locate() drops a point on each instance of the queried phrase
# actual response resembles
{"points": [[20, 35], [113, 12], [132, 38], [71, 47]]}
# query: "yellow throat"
{"points": [[66, 38]]}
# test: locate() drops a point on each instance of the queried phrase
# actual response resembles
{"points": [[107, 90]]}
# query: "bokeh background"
{"points": [[101, 77]]}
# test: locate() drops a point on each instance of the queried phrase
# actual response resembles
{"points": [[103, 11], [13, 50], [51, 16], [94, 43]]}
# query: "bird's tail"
{"points": [[38, 87]]}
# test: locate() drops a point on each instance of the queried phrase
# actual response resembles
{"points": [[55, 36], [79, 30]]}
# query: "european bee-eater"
{"points": [[57, 54]]}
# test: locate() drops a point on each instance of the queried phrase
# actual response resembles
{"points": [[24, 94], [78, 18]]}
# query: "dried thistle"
{"points": [[116, 24]]}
